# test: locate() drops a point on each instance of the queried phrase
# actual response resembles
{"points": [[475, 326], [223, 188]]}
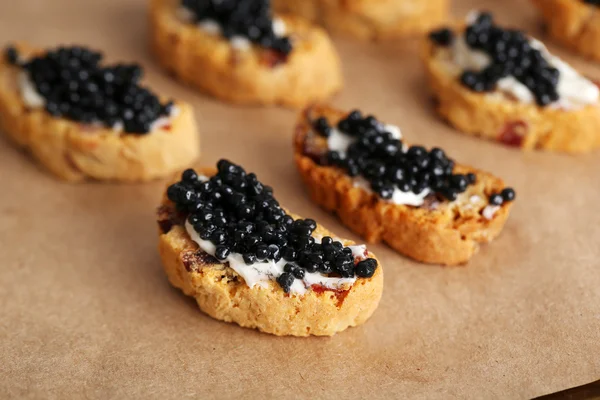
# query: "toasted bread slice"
{"points": [[75, 152], [505, 119], [439, 231], [370, 19], [224, 295], [249, 76], [575, 24]]}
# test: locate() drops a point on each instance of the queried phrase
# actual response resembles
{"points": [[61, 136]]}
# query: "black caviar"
{"points": [[506, 195], [386, 164], [592, 2], [239, 214], [511, 54], [75, 86], [248, 18]]}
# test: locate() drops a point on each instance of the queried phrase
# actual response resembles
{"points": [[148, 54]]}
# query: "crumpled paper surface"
{"points": [[88, 313]]}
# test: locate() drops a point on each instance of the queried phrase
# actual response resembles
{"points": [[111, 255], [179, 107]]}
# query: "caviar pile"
{"points": [[593, 2], [511, 54], [248, 18], [75, 86], [381, 160], [239, 214]]}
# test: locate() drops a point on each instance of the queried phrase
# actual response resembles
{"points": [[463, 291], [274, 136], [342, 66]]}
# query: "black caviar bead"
{"points": [[222, 252], [274, 252], [471, 178], [262, 252], [189, 175], [311, 223], [249, 258], [344, 266], [354, 115], [12, 56], [496, 199], [508, 194], [286, 280], [442, 37], [366, 268], [459, 182], [450, 194], [322, 127], [299, 273], [289, 268], [289, 254], [386, 192], [218, 237]]}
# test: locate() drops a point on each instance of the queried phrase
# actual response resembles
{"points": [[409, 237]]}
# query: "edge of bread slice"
{"points": [[574, 24], [76, 152], [505, 120], [446, 233], [224, 295], [368, 19]]}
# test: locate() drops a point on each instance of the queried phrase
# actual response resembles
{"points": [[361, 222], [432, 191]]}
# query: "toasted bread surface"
{"points": [[573, 23], [370, 19]]}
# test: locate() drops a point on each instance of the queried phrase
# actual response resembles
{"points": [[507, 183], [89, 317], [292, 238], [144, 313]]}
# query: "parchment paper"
{"points": [[88, 313]]}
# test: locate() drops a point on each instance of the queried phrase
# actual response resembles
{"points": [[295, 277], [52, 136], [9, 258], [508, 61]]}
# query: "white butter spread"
{"points": [[574, 90], [489, 211], [398, 197], [260, 273], [279, 27], [339, 141], [240, 43], [29, 93], [210, 26]]}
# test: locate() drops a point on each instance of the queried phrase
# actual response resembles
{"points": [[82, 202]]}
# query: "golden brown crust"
{"points": [[222, 293], [370, 19], [76, 152], [508, 121], [209, 62], [574, 24], [449, 233]]}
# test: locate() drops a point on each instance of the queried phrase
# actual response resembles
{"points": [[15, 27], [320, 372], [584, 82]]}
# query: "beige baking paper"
{"points": [[86, 311]]}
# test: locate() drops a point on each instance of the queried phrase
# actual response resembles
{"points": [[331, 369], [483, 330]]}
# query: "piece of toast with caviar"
{"points": [[240, 52], [503, 85], [82, 120], [227, 242], [418, 201], [574, 23], [370, 19]]}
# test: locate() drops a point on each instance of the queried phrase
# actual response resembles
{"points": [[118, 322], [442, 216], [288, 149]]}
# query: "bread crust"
{"points": [[450, 234], [574, 24], [505, 120], [221, 293], [370, 19], [77, 152], [209, 62]]}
